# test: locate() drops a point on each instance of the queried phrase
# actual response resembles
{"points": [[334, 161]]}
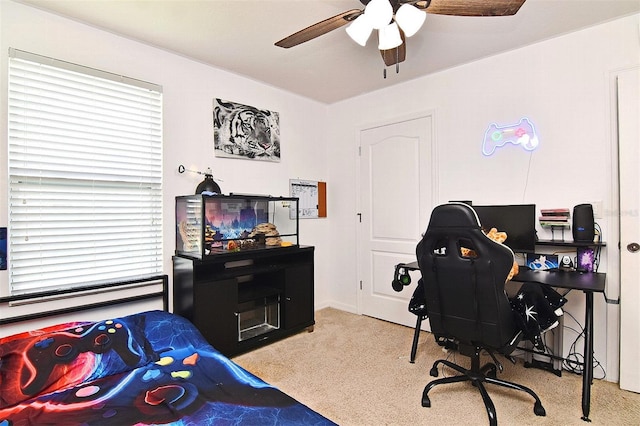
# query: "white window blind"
{"points": [[85, 175]]}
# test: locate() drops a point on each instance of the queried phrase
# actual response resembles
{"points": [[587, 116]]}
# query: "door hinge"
{"points": [[360, 284], [359, 217], [360, 151]]}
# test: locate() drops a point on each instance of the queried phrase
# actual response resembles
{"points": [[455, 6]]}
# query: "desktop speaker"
{"points": [[583, 226]]}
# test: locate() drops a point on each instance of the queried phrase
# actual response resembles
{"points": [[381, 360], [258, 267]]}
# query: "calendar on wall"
{"points": [[312, 197]]}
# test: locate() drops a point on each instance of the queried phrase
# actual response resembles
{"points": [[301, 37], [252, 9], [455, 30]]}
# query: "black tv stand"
{"points": [[240, 301]]}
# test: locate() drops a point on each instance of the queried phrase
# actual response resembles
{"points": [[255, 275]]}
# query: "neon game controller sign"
{"points": [[522, 133]]}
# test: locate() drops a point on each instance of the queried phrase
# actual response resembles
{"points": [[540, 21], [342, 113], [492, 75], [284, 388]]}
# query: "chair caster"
{"points": [[539, 410], [433, 372], [426, 402], [490, 370]]}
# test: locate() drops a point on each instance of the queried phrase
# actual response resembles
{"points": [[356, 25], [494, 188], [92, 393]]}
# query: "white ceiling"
{"points": [[239, 36]]}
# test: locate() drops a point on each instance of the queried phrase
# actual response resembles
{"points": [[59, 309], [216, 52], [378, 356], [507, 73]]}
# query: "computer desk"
{"points": [[588, 283]]}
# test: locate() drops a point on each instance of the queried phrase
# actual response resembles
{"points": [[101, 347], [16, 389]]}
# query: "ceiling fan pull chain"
{"points": [[397, 60], [384, 72]]}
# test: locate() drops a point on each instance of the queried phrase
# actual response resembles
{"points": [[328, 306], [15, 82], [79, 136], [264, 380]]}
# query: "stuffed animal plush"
{"points": [[498, 237]]}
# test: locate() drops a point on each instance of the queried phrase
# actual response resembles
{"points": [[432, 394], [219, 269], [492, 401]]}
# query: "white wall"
{"points": [[189, 88], [564, 86]]}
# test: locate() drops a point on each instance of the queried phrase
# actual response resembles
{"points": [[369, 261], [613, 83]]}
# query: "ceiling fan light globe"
{"points": [[389, 37], [379, 13], [360, 30], [410, 19]]}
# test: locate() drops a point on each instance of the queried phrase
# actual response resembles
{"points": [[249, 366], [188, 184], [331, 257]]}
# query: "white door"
{"points": [[629, 153], [397, 181]]}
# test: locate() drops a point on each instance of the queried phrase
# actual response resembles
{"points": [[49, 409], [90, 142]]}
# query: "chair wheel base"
{"points": [[493, 373], [434, 372], [426, 402], [539, 410]]}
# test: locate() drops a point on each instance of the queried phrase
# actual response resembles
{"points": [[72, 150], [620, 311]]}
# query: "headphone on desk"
{"points": [[401, 278]]}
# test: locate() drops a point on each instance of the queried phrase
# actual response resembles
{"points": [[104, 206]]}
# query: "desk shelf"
{"points": [[557, 243]]}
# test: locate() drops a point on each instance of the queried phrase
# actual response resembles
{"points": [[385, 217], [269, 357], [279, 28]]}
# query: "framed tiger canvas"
{"points": [[242, 131]]}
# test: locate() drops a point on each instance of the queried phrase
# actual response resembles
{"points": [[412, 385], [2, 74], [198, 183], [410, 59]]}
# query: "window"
{"points": [[85, 175]]}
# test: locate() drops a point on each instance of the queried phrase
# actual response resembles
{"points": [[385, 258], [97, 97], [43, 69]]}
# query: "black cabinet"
{"points": [[243, 300]]}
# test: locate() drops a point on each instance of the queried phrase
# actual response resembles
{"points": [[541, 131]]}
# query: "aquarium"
{"points": [[208, 225]]}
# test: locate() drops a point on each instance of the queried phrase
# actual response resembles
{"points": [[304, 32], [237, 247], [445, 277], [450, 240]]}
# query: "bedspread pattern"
{"points": [[148, 368]]}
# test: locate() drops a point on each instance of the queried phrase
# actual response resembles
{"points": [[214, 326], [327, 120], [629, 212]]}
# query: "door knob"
{"points": [[633, 247]]}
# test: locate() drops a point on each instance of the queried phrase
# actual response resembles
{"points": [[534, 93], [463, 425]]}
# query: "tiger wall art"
{"points": [[242, 131]]}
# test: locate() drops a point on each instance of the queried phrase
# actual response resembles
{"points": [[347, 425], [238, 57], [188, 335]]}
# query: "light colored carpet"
{"points": [[355, 370]]}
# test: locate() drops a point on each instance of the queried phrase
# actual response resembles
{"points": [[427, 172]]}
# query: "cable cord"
{"points": [[451, 356], [526, 181], [574, 362]]}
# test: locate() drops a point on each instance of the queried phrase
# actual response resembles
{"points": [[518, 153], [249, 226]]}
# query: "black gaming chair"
{"points": [[466, 300]]}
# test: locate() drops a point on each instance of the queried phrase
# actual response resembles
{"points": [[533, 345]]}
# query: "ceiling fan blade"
{"points": [[396, 55], [320, 28], [472, 7]]}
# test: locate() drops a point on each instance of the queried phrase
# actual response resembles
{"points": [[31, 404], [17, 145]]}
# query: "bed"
{"points": [[147, 368]]}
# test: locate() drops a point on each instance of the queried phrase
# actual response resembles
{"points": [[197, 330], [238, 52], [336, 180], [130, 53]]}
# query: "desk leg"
{"points": [[587, 373]]}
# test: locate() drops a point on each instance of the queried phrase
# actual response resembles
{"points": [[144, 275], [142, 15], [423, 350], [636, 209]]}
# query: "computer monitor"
{"points": [[517, 220]]}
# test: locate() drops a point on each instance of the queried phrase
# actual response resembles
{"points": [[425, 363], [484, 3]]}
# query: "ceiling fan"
{"points": [[397, 54]]}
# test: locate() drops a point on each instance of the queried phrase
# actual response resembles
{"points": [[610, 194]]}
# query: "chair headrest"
{"points": [[454, 215]]}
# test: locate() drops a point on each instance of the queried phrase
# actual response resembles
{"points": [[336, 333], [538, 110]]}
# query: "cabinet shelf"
{"points": [[248, 270], [251, 292], [258, 330]]}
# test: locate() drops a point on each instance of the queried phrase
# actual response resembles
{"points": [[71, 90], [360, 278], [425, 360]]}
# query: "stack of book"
{"points": [[554, 218]]}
